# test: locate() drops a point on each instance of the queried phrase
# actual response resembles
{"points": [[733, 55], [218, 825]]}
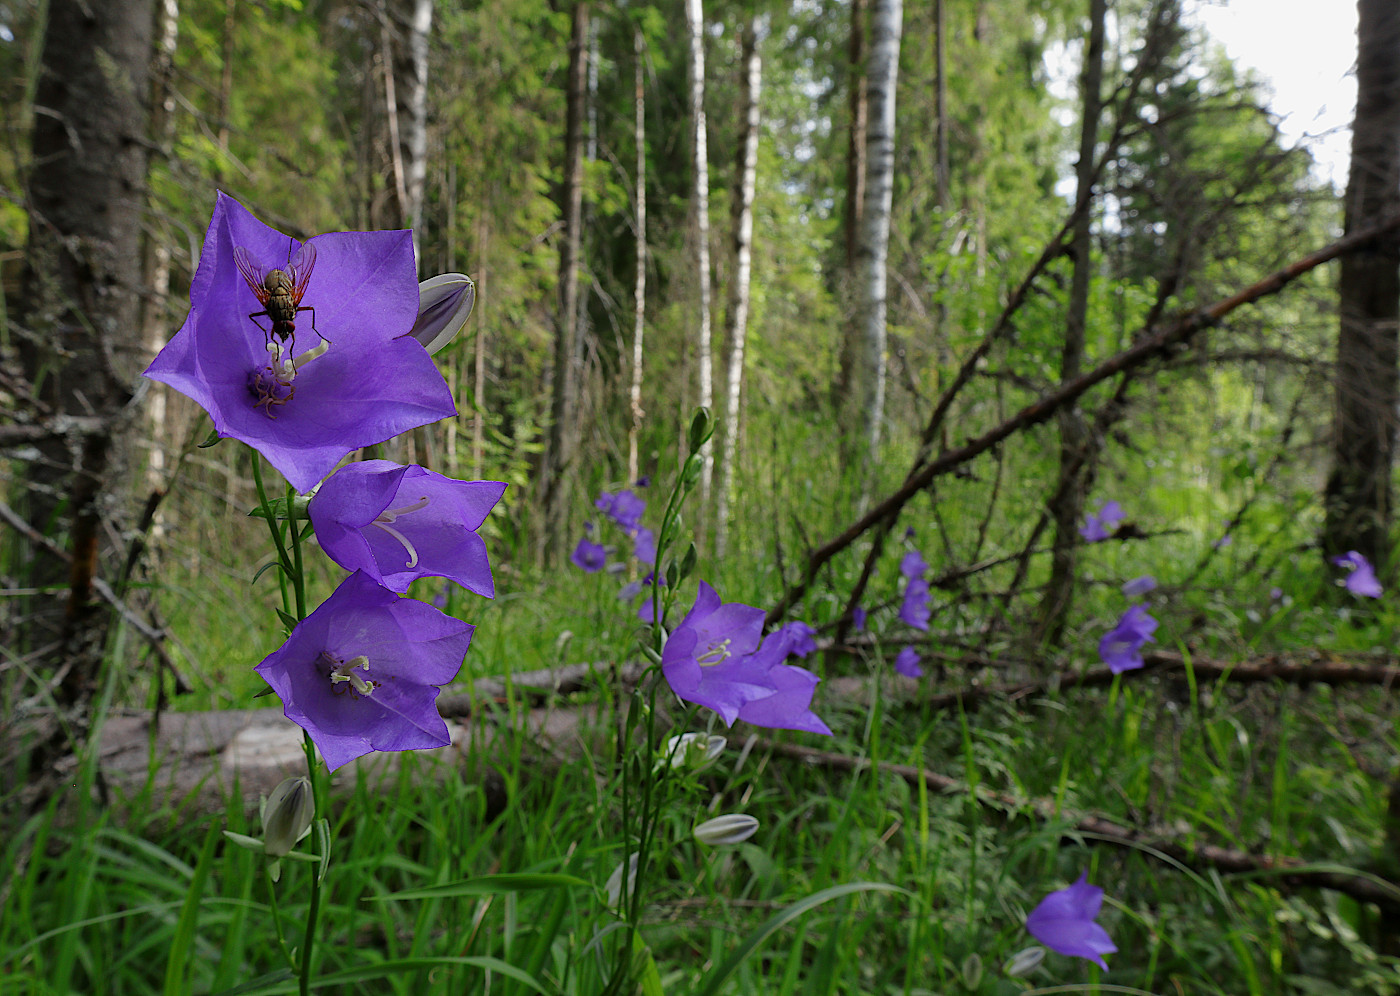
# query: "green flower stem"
{"points": [[313, 913]]}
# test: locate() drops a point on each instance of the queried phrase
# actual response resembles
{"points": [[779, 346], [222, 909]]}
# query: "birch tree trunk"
{"points": [[639, 293], [857, 99], [867, 396], [1358, 493], [695, 20], [407, 25], [738, 314], [564, 403], [1067, 507], [78, 330]]}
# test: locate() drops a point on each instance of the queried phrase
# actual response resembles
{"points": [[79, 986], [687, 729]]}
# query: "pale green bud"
{"points": [[614, 886], [1024, 961], [444, 302], [732, 828], [693, 751], [287, 816]]}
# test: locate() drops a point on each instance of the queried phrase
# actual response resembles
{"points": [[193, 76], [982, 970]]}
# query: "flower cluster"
{"points": [[1099, 527], [363, 671]]}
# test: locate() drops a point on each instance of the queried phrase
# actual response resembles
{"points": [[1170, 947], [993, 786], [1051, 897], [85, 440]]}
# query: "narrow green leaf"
{"points": [[178, 964], [490, 885]]}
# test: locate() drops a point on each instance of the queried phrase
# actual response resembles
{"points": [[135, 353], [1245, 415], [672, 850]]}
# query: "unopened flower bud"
{"points": [[732, 828], [614, 885], [1024, 961], [693, 751], [444, 302], [287, 816], [702, 427]]}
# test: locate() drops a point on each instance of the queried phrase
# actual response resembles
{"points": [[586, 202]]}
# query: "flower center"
{"points": [[717, 654], [344, 678], [385, 521]]}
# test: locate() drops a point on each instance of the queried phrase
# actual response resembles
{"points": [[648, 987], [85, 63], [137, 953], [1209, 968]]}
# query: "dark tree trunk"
{"points": [[564, 403], [1358, 489], [78, 322]]}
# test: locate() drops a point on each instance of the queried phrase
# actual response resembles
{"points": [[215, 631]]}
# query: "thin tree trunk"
{"points": [[564, 404], [1358, 499], [226, 75], [858, 101], [868, 391], [940, 103], [640, 290], [413, 24], [78, 325], [738, 315], [1068, 505], [695, 20]]}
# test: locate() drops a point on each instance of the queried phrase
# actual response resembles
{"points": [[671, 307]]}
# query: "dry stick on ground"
{"points": [[1282, 870], [1144, 350]]}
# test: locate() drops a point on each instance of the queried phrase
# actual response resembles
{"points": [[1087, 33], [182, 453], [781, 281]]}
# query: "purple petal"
{"points": [[906, 662], [1064, 922]]}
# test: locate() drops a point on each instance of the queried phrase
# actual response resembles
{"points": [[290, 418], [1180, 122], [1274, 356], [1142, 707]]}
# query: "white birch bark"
{"points": [[695, 20], [886, 25], [640, 291], [738, 315], [416, 169]]}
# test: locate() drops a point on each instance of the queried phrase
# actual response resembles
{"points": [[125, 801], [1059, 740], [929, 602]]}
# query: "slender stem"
{"points": [[313, 912]]}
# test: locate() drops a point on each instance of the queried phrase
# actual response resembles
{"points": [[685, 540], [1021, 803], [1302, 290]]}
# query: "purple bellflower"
{"points": [[625, 508], [1101, 526], [361, 673], [1064, 921], [303, 387], [644, 545], [1121, 647], [398, 523], [588, 556], [1361, 579], [1139, 586], [913, 565], [858, 615], [789, 705], [914, 611], [906, 662], [707, 660], [800, 638]]}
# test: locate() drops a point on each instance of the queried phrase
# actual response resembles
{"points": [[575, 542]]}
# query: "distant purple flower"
{"points": [[800, 635], [906, 662], [1121, 647], [1064, 921], [1362, 577], [1100, 527], [858, 619], [643, 482], [1223, 542], [912, 565], [589, 557], [909, 532], [644, 545], [253, 375], [625, 508], [1275, 594], [914, 611], [1139, 586], [361, 673], [399, 523], [706, 658], [440, 599]]}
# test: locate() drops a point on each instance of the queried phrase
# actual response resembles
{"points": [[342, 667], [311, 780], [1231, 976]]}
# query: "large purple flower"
{"points": [[361, 672], [303, 387], [1064, 922], [789, 705], [707, 659], [1101, 526], [914, 610], [398, 523], [1121, 647], [1361, 577]]}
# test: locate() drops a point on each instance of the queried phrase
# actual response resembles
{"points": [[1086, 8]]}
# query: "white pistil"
{"points": [[385, 519], [346, 672]]}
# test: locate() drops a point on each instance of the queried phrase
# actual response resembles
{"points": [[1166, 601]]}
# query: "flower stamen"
{"points": [[717, 654], [389, 515], [344, 671]]}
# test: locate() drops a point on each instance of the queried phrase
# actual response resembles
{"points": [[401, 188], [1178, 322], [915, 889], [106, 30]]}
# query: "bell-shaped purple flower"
{"points": [[1064, 921], [361, 673], [789, 705], [912, 564], [707, 658], [1121, 647], [398, 523], [906, 662], [302, 351], [644, 545], [1361, 577], [625, 508], [1139, 586], [588, 556], [1101, 526], [858, 616], [914, 611], [800, 642]]}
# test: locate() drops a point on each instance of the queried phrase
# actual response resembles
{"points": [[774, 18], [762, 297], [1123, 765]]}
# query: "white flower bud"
{"points": [[287, 816], [614, 886], [1025, 960], [696, 751], [444, 302], [732, 828]]}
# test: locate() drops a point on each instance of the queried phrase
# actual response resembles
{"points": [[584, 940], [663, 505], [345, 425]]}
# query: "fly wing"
{"points": [[252, 273], [301, 266]]}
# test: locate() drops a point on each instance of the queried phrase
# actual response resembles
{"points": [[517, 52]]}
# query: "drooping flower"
{"points": [[398, 523], [1100, 527], [644, 545], [800, 642], [789, 707], [912, 564], [444, 304], [1064, 921], [361, 673], [1121, 647], [588, 556], [707, 659], [303, 387], [1361, 577], [906, 662], [1139, 586], [915, 611], [624, 508], [726, 830], [858, 615]]}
